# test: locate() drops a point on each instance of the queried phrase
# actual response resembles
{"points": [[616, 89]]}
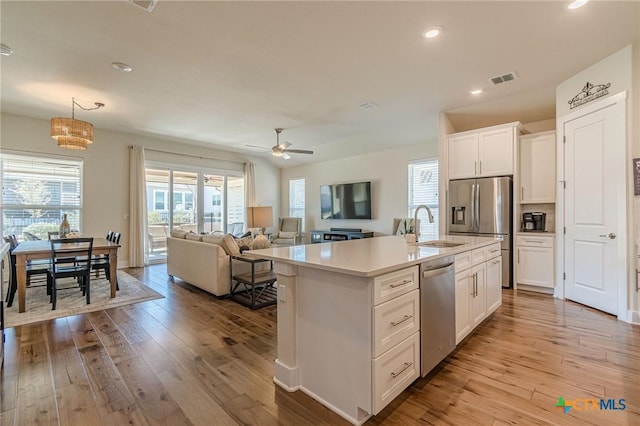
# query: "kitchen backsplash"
{"points": [[549, 209]]}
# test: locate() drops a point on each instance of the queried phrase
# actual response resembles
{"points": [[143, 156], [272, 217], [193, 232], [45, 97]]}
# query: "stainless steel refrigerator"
{"points": [[483, 207]]}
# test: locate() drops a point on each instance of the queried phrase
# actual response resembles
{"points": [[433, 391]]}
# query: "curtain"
{"points": [[137, 208], [250, 179]]}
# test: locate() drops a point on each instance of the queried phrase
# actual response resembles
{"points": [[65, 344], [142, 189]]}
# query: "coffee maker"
{"points": [[534, 221]]}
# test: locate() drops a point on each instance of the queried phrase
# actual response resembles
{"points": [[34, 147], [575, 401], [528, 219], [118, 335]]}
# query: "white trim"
{"points": [[622, 266]]}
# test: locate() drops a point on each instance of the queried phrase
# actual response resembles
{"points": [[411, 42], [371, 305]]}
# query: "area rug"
{"points": [[71, 302]]}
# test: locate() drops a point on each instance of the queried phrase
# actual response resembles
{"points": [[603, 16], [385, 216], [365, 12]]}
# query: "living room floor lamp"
{"points": [[260, 217]]}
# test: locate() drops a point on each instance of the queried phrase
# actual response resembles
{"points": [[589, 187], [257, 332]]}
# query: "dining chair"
{"points": [[101, 262], [61, 251], [53, 235], [34, 267]]}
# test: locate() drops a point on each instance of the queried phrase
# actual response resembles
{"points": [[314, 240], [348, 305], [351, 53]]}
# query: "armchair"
{"points": [[289, 231]]}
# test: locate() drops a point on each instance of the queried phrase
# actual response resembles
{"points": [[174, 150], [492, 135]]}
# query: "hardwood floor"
{"points": [[193, 359]]}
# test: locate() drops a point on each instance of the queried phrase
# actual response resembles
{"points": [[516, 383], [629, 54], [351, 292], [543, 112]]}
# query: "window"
{"points": [[37, 192], [296, 199], [192, 200], [423, 189], [160, 200]]}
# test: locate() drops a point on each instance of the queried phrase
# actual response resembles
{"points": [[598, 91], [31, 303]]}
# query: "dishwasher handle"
{"points": [[438, 271]]}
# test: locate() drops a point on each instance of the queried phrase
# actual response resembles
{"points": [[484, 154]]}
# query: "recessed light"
{"points": [[576, 4], [5, 50], [121, 66], [432, 32], [476, 91]]}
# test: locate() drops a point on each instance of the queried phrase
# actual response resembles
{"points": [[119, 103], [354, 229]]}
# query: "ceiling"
{"points": [[225, 74]]}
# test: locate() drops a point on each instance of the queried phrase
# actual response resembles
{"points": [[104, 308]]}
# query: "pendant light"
{"points": [[71, 133]]}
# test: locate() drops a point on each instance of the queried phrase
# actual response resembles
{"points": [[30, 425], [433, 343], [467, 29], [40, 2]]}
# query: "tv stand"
{"points": [[321, 236]]}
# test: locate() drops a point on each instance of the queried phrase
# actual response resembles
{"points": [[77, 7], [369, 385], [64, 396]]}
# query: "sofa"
{"points": [[204, 264]]}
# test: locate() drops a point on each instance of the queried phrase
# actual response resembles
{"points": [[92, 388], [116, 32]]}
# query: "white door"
{"points": [[594, 172], [495, 152], [463, 155]]}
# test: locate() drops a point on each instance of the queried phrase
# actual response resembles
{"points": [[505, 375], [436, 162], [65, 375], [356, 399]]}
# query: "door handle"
{"points": [[610, 235], [480, 167], [475, 168]]}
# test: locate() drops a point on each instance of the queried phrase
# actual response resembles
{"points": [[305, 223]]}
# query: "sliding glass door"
{"points": [[191, 200]]}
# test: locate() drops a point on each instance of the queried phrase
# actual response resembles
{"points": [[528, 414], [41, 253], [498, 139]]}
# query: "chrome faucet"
{"points": [[415, 218]]}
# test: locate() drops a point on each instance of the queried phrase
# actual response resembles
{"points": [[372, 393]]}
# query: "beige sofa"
{"points": [[203, 264]]}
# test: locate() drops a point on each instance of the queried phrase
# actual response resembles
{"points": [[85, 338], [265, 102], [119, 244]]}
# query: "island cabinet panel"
{"points": [[478, 285], [394, 321], [395, 284], [394, 371]]}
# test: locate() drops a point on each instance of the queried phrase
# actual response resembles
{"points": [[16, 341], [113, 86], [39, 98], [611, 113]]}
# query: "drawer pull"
{"points": [[494, 251], [405, 282], [495, 261], [406, 365], [534, 241], [406, 317]]}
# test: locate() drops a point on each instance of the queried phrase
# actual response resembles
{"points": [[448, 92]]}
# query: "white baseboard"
{"points": [[633, 317], [356, 421], [286, 377], [537, 289]]}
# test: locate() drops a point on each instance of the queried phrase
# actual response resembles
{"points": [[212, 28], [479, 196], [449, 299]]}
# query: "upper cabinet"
{"points": [[538, 168], [483, 152]]}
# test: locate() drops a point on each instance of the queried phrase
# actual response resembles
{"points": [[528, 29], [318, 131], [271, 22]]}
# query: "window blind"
{"points": [[296, 199], [423, 189]]}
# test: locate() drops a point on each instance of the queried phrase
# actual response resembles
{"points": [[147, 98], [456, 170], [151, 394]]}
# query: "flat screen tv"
{"points": [[346, 201]]}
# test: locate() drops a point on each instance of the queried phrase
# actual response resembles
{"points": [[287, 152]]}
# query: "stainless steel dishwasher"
{"points": [[437, 312]]}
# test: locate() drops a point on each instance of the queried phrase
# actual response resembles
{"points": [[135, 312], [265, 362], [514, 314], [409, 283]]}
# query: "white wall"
{"points": [[621, 69], [106, 170], [388, 172]]}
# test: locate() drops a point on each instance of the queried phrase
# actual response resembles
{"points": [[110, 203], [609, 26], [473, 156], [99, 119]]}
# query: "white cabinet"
{"points": [[538, 168], [534, 257], [482, 152], [478, 285], [494, 283], [395, 333], [477, 300]]}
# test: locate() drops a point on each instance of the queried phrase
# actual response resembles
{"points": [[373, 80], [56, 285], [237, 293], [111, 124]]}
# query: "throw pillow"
{"points": [[178, 233], [230, 246], [287, 235], [194, 237], [245, 242], [213, 239]]}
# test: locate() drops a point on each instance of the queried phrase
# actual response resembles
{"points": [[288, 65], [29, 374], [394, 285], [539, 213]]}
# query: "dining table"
{"points": [[41, 249]]}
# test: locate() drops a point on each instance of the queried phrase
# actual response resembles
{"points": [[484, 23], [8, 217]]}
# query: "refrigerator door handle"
{"points": [[476, 213], [473, 207]]}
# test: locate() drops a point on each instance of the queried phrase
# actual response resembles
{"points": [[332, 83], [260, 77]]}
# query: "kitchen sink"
{"points": [[439, 244]]}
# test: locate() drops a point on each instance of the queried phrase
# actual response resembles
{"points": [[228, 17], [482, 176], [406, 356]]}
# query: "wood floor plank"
{"points": [[196, 404], [36, 403]]}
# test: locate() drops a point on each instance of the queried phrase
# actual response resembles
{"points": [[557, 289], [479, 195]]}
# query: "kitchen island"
{"points": [[335, 301]]}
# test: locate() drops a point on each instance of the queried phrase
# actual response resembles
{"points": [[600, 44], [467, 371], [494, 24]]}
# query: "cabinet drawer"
{"points": [[394, 284], [492, 251], [394, 321], [534, 241], [478, 256], [394, 371], [463, 261]]}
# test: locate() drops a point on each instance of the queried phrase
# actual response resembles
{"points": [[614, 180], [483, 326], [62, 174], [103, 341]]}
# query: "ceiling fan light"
{"points": [[277, 153]]}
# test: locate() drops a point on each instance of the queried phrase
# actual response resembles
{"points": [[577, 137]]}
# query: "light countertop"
{"points": [[367, 257]]}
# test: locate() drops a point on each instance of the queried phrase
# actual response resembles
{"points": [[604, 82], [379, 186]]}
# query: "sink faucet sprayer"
{"points": [[415, 218]]}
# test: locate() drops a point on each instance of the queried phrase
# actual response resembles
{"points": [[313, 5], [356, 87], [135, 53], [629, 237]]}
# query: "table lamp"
{"points": [[260, 217]]}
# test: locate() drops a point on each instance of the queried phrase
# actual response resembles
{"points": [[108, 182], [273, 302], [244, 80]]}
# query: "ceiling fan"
{"points": [[282, 149]]}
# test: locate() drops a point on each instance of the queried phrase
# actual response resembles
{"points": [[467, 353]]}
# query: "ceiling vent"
{"points": [[147, 5], [504, 78]]}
